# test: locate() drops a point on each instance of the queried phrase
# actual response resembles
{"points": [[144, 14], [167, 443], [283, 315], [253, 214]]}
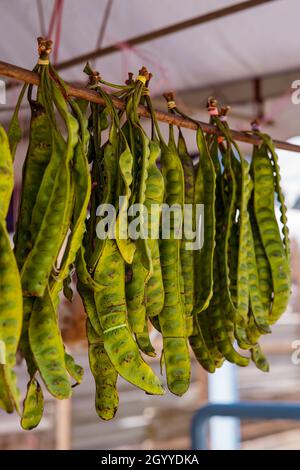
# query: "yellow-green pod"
{"points": [[6, 174], [6, 402], [172, 318], [135, 294], [105, 375], [47, 347], [75, 370], [33, 405], [11, 313], [111, 307]]}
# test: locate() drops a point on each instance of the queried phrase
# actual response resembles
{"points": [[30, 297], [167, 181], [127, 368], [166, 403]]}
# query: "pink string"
{"points": [[58, 30], [52, 19], [163, 80], [213, 111]]}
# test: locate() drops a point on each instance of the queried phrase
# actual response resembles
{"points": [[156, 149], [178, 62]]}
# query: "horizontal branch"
{"points": [[18, 73]]}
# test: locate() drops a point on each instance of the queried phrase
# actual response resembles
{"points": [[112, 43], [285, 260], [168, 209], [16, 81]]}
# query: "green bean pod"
{"points": [[259, 359], [83, 274], [10, 394], [6, 174], [105, 375], [263, 201], [135, 294], [246, 281], [200, 349], [74, 370], [82, 182], [140, 148], [47, 347], [138, 294], [24, 340], [144, 342], [37, 159], [285, 231], [187, 256], [263, 266], [153, 202], [219, 329], [126, 246], [67, 288], [225, 216], [241, 337], [59, 150], [11, 310], [87, 297], [6, 402], [205, 187], [209, 344], [259, 312], [38, 265], [155, 289], [33, 405], [14, 130], [172, 316], [111, 307], [106, 187]]}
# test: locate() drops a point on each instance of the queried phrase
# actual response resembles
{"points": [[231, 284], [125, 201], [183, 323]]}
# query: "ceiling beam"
{"points": [[175, 28], [238, 92]]}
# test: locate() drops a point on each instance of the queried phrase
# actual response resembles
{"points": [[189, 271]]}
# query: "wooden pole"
{"points": [[18, 73]]}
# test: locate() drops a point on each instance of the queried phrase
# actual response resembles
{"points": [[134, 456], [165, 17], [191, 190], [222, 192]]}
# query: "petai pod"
{"points": [[111, 307], [172, 316]]}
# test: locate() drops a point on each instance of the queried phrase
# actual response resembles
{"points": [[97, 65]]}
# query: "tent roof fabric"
{"points": [[259, 41], [255, 42]]}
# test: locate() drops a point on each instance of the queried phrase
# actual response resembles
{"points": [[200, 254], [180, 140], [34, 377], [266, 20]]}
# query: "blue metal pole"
{"points": [[250, 410]]}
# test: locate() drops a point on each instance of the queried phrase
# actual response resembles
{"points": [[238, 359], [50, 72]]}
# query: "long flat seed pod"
{"points": [[82, 196], [200, 349], [172, 316], [33, 405], [218, 325], [105, 375], [269, 231], [38, 265], [111, 307], [11, 308], [74, 370], [259, 312], [106, 187], [6, 174], [47, 347], [126, 246], [135, 294], [205, 182], [144, 342], [87, 296], [187, 256], [154, 290]]}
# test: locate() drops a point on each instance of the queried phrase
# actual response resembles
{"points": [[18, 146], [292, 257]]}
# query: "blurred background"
{"points": [[247, 57]]}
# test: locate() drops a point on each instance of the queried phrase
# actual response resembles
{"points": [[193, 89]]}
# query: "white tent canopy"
{"points": [[256, 42]]}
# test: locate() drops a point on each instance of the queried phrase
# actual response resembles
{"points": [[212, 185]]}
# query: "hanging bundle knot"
{"points": [[44, 50], [255, 125], [212, 106], [170, 100], [224, 113]]}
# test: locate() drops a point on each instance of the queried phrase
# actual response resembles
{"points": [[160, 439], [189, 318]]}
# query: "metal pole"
{"points": [[249, 410]]}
